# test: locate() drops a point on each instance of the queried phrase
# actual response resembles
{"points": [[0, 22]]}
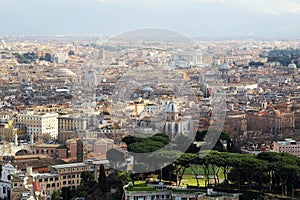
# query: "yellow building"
{"points": [[71, 123], [7, 130]]}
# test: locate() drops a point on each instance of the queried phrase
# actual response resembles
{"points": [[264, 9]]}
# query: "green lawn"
{"points": [[189, 178], [141, 187]]}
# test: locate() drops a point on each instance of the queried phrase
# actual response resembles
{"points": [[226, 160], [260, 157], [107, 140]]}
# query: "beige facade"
{"points": [[67, 175], [288, 146], [7, 130], [71, 123], [53, 150], [278, 123], [19, 191], [235, 125], [39, 124]]}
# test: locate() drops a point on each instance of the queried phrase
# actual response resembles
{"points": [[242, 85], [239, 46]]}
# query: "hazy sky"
{"points": [[192, 17]]}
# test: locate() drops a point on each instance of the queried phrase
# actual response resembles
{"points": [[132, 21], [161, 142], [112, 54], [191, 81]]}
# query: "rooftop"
{"points": [[69, 165]]}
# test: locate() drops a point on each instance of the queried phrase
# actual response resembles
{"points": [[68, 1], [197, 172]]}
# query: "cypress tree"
{"points": [[102, 179]]}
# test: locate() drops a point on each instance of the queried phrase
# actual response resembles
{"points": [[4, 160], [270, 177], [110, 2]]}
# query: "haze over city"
{"points": [[203, 18], [148, 100]]}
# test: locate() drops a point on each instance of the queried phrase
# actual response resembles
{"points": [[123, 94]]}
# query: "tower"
{"points": [[198, 57], [101, 54], [173, 122], [79, 151], [171, 112]]}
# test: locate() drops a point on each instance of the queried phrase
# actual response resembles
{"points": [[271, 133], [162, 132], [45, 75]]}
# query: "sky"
{"points": [[207, 18]]}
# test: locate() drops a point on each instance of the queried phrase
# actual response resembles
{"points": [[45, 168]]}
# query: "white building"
{"points": [[288, 146], [187, 58], [5, 180], [38, 124], [61, 57]]}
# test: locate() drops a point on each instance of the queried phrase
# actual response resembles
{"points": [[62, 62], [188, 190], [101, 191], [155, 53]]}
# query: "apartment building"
{"points": [[72, 123], [39, 124], [288, 146], [53, 150], [68, 175]]}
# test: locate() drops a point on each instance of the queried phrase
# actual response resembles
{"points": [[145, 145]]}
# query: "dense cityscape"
{"points": [[149, 100], [73, 110]]}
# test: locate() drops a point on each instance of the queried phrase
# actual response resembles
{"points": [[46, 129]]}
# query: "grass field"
{"points": [[189, 178]]}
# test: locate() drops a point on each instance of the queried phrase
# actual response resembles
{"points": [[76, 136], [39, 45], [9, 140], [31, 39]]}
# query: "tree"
{"points": [[215, 161], [287, 168], [271, 158], [87, 178], [250, 166], [102, 180], [87, 184], [66, 193], [115, 157], [182, 164], [162, 158], [196, 168], [140, 168], [56, 195], [146, 145]]}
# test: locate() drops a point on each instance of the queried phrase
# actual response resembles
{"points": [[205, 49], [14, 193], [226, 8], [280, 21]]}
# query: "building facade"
{"points": [[39, 124], [71, 123], [287, 146], [5, 181]]}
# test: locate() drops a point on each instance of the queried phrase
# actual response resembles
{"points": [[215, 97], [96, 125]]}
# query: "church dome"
{"points": [[225, 66], [171, 107], [292, 66], [64, 72]]}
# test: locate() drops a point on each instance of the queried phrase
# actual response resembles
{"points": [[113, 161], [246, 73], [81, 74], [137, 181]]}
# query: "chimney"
{"points": [[30, 180], [29, 170], [136, 108]]}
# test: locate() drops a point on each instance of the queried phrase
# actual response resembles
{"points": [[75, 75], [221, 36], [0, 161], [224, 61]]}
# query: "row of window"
{"points": [[290, 147], [153, 197], [73, 169], [44, 151], [64, 183]]}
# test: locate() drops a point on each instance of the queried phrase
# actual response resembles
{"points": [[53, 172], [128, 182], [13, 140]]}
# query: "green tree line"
{"points": [[284, 56]]}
